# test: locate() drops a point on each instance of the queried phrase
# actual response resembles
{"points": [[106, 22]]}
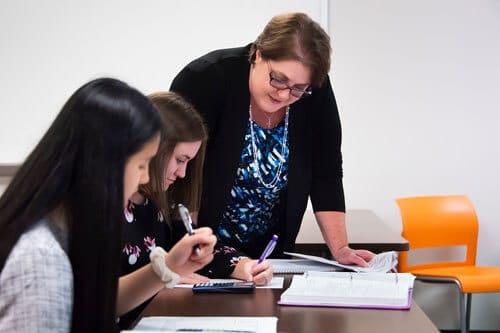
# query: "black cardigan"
{"points": [[217, 85]]}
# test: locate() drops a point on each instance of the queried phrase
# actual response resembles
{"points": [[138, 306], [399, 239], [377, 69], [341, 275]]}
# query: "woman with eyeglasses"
{"points": [[275, 139]]}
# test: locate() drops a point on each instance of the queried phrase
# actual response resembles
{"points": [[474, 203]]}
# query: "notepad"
{"points": [[382, 262], [353, 290], [299, 266], [276, 283], [207, 324]]}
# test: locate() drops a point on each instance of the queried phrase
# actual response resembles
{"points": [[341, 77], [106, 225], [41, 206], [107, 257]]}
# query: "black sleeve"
{"points": [[225, 257], [202, 84], [225, 260], [177, 232], [327, 192]]}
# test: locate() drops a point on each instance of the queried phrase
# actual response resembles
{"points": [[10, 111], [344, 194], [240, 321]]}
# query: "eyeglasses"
{"points": [[282, 85]]}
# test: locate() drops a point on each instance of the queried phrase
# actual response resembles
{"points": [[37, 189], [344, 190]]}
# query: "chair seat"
{"points": [[473, 279]]}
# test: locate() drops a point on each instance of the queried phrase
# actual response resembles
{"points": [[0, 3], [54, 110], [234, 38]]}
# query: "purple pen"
{"points": [[269, 249]]}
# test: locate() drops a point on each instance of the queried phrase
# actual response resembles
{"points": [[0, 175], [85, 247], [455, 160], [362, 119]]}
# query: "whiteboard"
{"points": [[50, 48]]}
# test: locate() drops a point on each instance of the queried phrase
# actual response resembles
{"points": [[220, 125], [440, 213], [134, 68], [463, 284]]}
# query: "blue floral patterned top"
{"points": [[250, 213]]}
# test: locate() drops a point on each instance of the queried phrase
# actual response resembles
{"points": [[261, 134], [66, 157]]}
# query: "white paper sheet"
{"points": [[299, 266], [207, 324], [382, 262], [276, 283]]}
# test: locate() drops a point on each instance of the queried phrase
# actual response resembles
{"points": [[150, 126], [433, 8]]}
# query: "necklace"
{"points": [[255, 163], [268, 119]]}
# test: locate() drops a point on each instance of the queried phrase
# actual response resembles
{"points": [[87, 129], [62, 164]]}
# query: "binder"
{"points": [[352, 290]]}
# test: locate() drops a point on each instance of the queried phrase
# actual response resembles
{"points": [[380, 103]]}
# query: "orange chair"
{"points": [[440, 221]]}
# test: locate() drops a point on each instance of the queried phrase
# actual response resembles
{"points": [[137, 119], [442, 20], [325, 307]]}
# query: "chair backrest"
{"points": [[438, 221]]}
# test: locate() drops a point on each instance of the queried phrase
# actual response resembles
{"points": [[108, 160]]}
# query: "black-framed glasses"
{"points": [[282, 85]]}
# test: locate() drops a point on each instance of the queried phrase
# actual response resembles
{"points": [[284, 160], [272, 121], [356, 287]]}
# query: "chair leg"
{"points": [[467, 318], [463, 315]]}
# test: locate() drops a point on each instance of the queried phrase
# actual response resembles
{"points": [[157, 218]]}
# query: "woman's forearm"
{"points": [[137, 287]]}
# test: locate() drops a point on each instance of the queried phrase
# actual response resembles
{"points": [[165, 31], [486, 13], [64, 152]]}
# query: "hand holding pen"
{"points": [[259, 271], [188, 223], [264, 271], [183, 260]]}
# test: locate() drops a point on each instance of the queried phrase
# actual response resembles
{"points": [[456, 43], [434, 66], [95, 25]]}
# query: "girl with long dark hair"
{"points": [[61, 215]]}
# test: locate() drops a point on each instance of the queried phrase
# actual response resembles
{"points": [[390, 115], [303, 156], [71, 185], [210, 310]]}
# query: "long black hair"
{"points": [[79, 165]]}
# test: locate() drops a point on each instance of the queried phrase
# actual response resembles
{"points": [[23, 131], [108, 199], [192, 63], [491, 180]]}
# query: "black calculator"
{"points": [[239, 287]]}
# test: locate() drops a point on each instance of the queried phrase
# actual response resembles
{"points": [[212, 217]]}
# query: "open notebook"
{"points": [[347, 289]]}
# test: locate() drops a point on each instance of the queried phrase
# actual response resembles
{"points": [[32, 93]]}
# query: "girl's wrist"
{"points": [[158, 263]]}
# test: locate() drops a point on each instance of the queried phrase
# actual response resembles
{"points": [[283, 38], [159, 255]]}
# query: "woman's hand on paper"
{"points": [[348, 256], [183, 260], [249, 270]]}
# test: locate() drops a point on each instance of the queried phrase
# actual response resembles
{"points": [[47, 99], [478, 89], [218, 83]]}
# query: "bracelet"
{"points": [[157, 257]]}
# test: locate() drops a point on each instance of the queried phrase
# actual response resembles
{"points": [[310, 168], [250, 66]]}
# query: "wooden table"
{"points": [[291, 319], [365, 230]]}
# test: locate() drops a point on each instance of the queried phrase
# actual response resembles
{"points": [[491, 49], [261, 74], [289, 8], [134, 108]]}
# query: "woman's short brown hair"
{"points": [[295, 36]]}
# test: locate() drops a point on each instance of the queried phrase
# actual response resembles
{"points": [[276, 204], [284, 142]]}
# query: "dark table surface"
{"points": [[182, 302]]}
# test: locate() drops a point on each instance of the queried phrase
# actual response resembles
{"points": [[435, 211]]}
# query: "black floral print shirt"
{"points": [[145, 229]]}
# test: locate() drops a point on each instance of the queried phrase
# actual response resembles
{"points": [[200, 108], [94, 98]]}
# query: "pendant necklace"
{"points": [[268, 118], [255, 163]]}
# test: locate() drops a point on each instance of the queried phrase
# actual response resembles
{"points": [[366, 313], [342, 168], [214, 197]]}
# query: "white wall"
{"points": [[50, 48], [416, 82]]}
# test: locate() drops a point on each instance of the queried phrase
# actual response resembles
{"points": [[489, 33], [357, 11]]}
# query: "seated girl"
{"points": [[152, 219], [61, 215]]}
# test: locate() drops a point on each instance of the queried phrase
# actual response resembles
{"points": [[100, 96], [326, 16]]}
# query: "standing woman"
{"points": [[153, 219], [275, 139], [61, 215]]}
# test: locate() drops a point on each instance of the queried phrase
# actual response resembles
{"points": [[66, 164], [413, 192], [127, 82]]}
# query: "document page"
{"points": [[382, 262], [298, 266], [208, 324], [276, 283]]}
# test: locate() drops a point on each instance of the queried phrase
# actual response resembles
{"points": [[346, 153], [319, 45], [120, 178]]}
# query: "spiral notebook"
{"points": [[348, 289]]}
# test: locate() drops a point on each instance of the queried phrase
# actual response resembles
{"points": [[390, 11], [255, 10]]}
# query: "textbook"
{"points": [[352, 290], [382, 262]]}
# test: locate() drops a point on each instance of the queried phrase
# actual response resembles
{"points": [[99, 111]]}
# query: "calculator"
{"points": [[240, 287]]}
